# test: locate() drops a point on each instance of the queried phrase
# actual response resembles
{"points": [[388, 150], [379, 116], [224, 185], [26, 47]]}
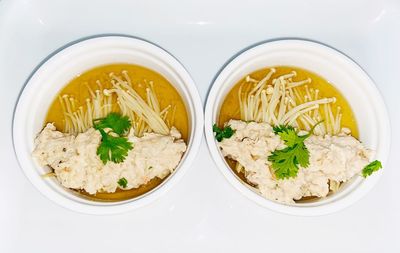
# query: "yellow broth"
{"points": [[230, 108], [140, 77]]}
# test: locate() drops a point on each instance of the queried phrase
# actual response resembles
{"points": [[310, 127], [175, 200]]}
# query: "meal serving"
{"points": [[290, 135], [114, 132]]}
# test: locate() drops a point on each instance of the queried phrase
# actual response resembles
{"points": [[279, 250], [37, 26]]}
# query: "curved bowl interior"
{"points": [[56, 72], [341, 72]]}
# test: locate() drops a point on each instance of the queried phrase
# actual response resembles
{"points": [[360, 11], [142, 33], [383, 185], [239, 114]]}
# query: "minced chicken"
{"points": [[77, 165], [332, 159]]}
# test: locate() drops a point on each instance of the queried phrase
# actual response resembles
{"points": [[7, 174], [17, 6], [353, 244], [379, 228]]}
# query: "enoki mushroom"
{"points": [[146, 114], [282, 101]]}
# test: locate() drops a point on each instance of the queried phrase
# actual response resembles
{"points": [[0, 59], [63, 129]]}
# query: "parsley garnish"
{"points": [[113, 147], [371, 168], [118, 123], [220, 134], [122, 182], [286, 162]]}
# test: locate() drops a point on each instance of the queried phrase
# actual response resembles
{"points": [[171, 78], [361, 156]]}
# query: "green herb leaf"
{"points": [[118, 123], [286, 162], [122, 182], [288, 135], [220, 134], [302, 155], [112, 148], [371, 168], [282, 128]]}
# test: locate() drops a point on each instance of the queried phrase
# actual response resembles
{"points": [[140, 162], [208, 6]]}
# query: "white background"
{"points": [[202, 213]]}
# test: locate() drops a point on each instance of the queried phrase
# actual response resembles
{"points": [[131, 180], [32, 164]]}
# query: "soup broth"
{"points": [[140, 78], [230, 108]]}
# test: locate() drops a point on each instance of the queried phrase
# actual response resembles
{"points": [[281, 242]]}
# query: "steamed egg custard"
{"points": [[114, 132], [290, 135]]}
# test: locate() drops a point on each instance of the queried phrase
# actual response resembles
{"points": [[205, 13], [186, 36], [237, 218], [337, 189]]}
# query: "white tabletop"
{"points": [[203, 213]]}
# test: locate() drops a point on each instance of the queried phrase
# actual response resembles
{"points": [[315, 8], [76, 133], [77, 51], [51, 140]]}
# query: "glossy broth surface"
{"points": [[230, 108], [140, 77]]}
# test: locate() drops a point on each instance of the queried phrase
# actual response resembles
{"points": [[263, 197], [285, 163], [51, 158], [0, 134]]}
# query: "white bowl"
{"points": [[62, 67], [345, 75]]}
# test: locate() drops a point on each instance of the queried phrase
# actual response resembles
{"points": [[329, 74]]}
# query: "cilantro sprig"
{"points": [[286, 162], [113, 147], [123, 182], [115, 121], [371, 168], [224, 133]]}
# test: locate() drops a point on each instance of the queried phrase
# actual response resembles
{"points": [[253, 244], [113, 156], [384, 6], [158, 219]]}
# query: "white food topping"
{"points": [[332, 158], [77, 165]]}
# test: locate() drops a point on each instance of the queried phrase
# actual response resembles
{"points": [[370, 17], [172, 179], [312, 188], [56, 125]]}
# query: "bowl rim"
{"points": [[97, 207], [215, 92]]}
